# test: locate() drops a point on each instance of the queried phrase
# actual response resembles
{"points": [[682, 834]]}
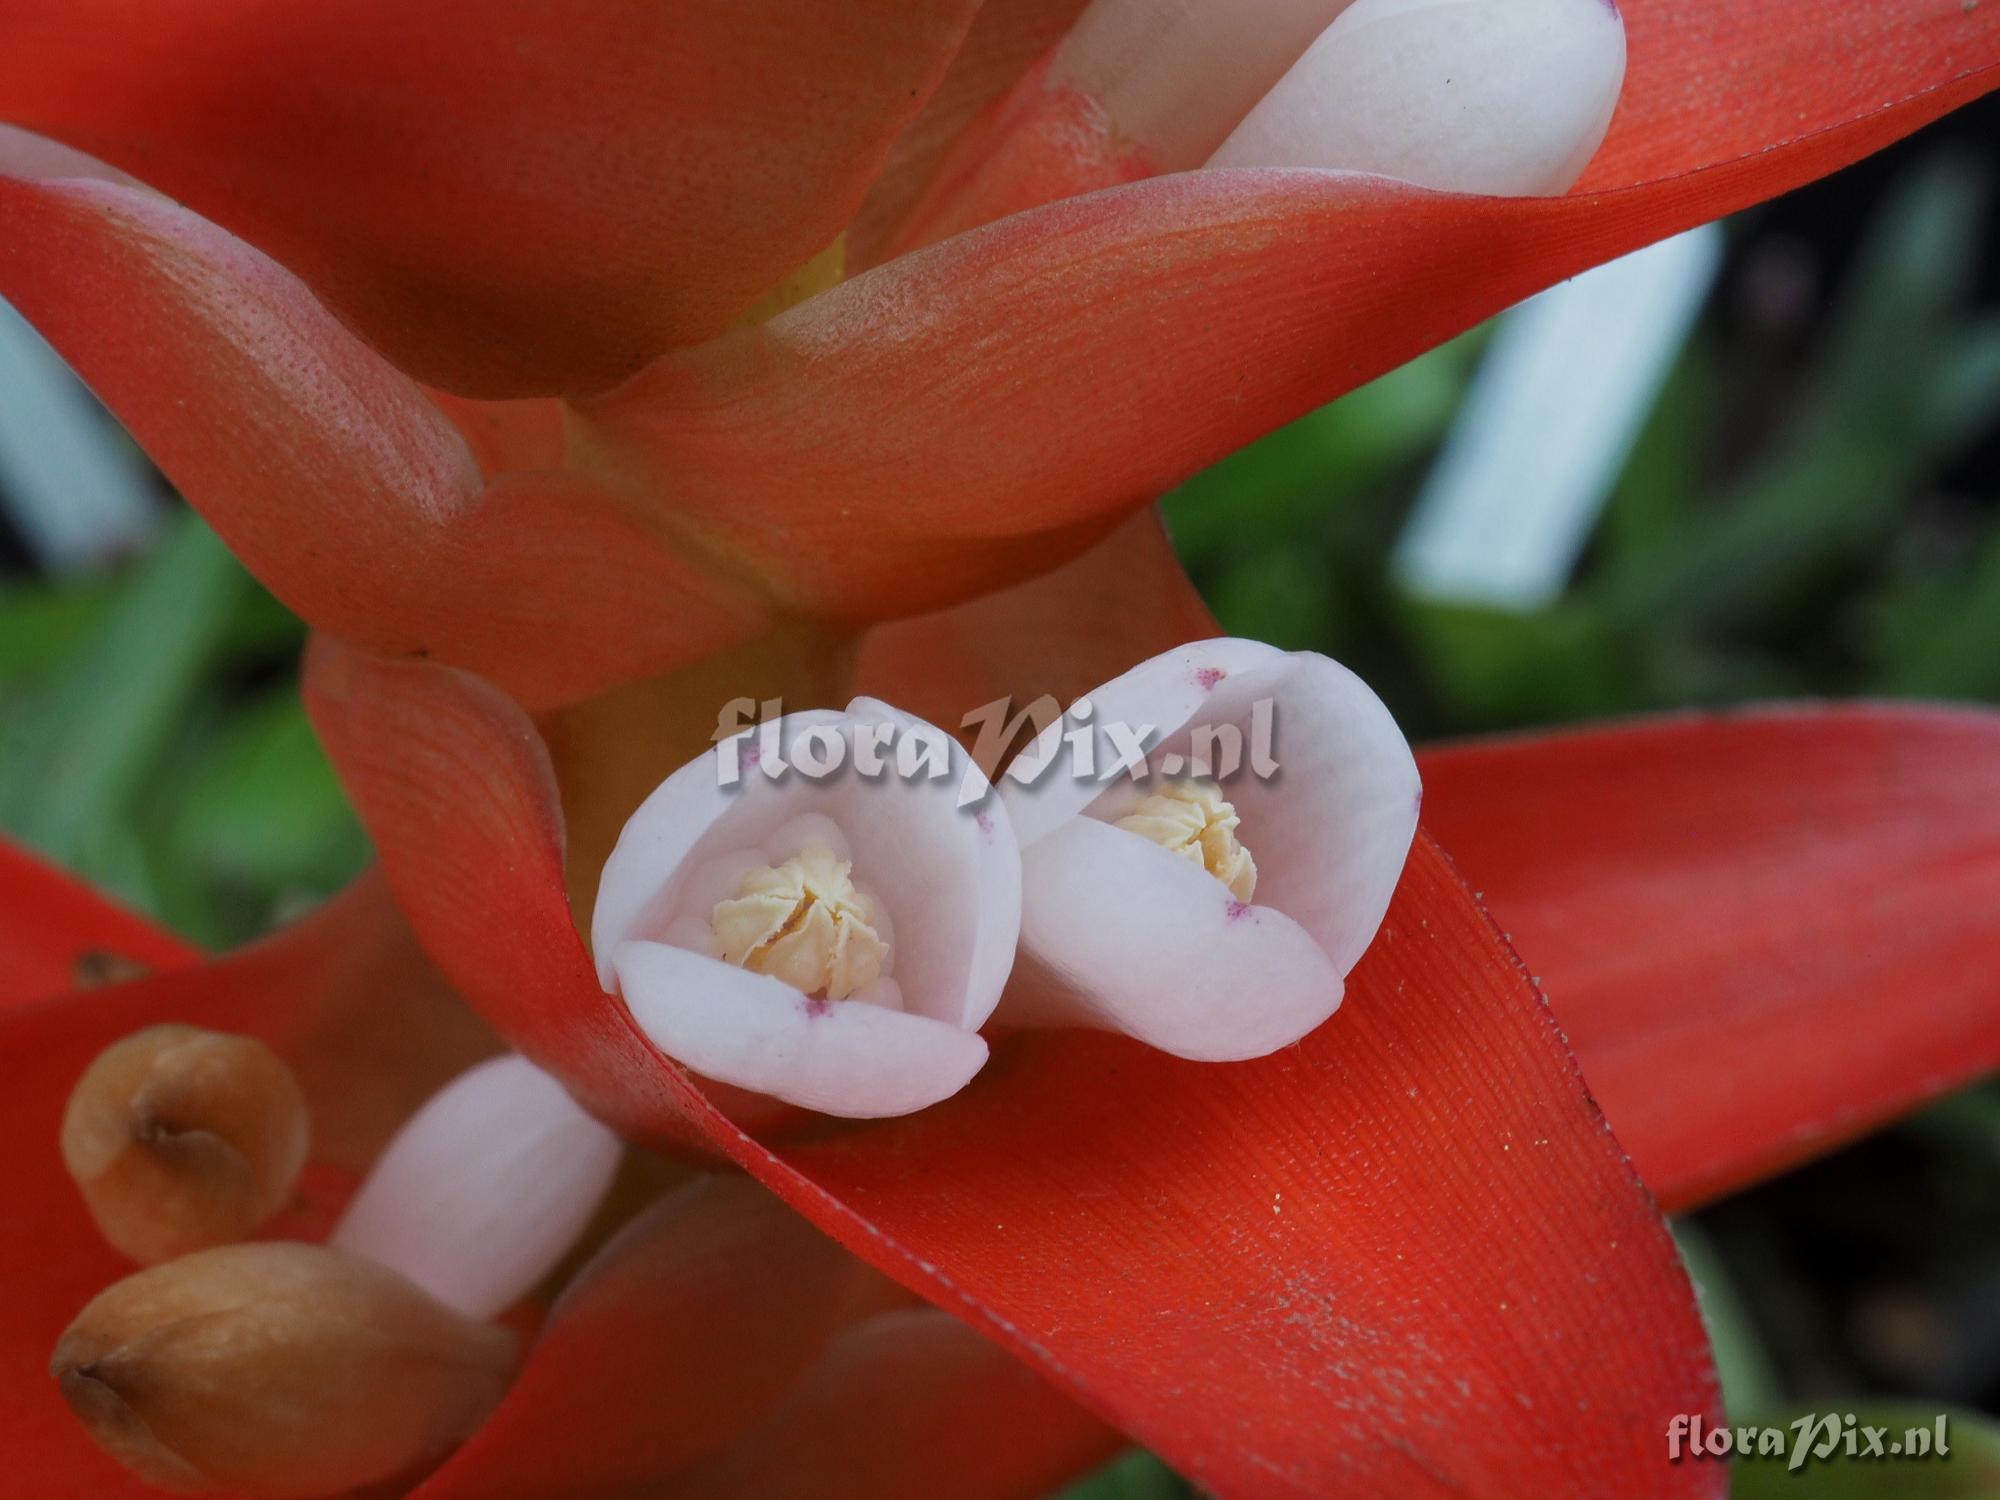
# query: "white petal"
{"points": [[883, 920], [1177, 75], [689, 820], [947, 875], [808, 828], [1127, 937], [859, 1061], [695, 935], [1164, 694], [1331, 830], [1508, 97], [485, 1189], [884, 992]]}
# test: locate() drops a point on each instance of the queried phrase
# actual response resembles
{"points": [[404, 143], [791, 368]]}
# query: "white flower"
{"points": [[834, 937], [1210, 910]]}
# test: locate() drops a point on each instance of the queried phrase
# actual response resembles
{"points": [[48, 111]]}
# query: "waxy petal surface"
{"points": [[1129, 938], [504, 196], [758, 1033], [343, 995], [981, 407], [334, 478], [1764, 933], [485, 1189], [1337, 1267]]}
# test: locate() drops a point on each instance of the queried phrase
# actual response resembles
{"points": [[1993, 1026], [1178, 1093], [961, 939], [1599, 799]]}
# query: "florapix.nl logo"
{"points": [[1028, 746]]}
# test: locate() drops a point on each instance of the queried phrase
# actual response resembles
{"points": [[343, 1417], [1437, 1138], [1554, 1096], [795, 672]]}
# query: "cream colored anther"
{"points": [[1192, 819], [803, 922]]}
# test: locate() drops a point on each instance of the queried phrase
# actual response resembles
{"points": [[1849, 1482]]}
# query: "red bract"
{"points": [[810, 1379], [344, 996], [506, 197], [72, 933], [1404, 1256], [1721, 901], [1713, 902], [980, 409], [1430, 1163]]}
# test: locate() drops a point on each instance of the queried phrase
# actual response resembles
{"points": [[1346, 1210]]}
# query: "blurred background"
{"points": [[1758, 462]]}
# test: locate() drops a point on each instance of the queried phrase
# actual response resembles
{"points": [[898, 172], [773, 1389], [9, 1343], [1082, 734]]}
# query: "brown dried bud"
{"points": [[277, 1369], [181, 1139]]}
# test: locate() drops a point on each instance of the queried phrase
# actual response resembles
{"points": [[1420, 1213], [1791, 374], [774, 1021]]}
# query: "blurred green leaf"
{"points": [[76, 755], [41, 624], [1941, 638], [264, 805], [261, 818], [1136, 1476], [1902, 383], [1749, 1380], [1295, 479], [1492, 668]]}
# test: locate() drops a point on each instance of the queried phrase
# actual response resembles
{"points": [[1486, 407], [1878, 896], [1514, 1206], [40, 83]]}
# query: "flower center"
{"points": [[1192, 819], [805, 923]]}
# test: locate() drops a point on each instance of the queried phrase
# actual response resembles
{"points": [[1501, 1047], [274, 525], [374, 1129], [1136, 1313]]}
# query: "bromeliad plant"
{"points": [[578, 370]]}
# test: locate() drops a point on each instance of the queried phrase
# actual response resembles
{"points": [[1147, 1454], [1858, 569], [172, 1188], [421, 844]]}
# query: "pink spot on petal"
{"points": [[816, 1005], [985, 823], [1236, 911], [754, 755], [1208, 677]]}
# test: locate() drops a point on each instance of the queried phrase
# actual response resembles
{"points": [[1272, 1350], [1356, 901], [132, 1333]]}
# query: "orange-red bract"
{"points": [[345, 997], [332, 475], [1764, 932], [975, 412], [666, 1362], [1003, 397], [1343, 1266], [63, 933], [1156, 1237], [505, 196]]}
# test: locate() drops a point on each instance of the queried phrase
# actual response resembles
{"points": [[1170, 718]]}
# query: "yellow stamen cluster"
{"points": [[805, 923], [1193, 820]]}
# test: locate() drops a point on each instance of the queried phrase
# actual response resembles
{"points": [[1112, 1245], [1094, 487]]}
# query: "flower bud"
{"points": [[181, 1139], [484, 1189], [277, 1369], [1509, 97]]}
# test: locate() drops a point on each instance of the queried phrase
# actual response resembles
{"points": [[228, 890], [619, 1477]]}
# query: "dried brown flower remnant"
{"points": [[277, 1369], [182, 1139]]}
